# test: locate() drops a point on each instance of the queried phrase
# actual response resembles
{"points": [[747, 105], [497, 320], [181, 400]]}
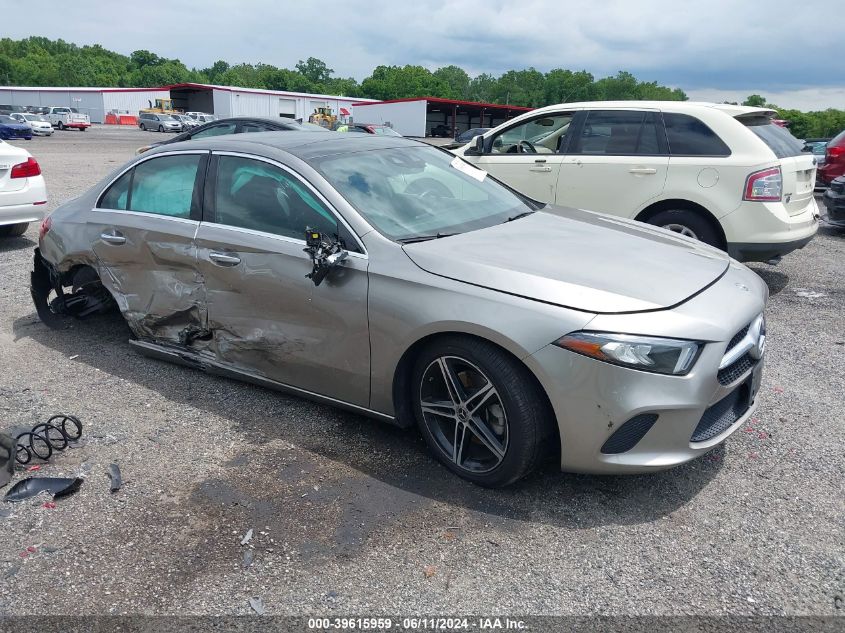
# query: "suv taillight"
{"points": [[46, 225], [834, 153], [26, 169], [764, 186]]}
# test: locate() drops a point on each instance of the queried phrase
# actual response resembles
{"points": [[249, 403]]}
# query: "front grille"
{"points": [[627, 435], [719, 417], [736, 370]]}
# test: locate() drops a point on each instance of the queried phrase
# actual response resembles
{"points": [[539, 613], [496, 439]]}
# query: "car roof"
{"points": [[678, 106], [303, 145]]}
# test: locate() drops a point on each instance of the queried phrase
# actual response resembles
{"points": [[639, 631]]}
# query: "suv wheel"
{"points": [[161, 128], [61, 125], [479, 411], [687, 223], [143, 127]]}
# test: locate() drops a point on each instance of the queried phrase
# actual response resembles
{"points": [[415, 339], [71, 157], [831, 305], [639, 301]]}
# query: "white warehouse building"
{"points": [[223, 101]]}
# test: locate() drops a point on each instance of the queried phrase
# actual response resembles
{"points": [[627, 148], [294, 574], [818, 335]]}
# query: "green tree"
{"points": [[315, 70], [755, 101], [455, 80]]}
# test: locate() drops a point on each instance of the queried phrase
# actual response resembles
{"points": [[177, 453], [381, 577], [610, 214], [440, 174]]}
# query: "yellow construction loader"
{"points": [[323, 117], [162, 106]]}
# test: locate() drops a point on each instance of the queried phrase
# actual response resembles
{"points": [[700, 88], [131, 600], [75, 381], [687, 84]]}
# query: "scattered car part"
{"points": [[31, 486], [53, 435], [7, 458], [257, 605], [247, 537], [116, 480]]}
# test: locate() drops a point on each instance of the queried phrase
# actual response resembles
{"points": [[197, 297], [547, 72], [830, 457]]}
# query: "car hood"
{"points": [[15, 126], [577, 259]]}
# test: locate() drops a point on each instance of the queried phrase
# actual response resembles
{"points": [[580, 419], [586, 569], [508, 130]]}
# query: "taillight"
{"points": [[46, 225], [764, 186], [834, 153], [27, 169]]}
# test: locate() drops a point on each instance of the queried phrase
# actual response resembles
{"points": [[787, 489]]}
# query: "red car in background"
{"points": [[834, 160]]}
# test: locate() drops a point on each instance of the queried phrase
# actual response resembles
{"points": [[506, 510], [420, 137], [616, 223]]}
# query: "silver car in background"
{"points": [[394, 279]]}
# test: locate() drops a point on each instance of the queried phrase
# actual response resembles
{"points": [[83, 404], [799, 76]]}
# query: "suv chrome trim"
{"points": [[754, 343]]}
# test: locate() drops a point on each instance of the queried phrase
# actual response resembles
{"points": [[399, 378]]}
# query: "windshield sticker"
{"points": [[465, 168]]}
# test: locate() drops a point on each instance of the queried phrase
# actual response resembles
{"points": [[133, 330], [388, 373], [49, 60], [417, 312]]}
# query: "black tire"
{"points": [[693, 224], [161, 128], [61, 125], [143, 127], [14, 230], [82, 129], [526, 424]]}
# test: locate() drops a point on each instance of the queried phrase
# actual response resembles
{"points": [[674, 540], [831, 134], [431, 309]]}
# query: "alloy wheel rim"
{"points": [[680, 228], [464, 413]]}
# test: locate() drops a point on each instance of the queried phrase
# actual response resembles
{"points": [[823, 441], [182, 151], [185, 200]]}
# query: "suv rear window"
{"points": [[689, 136], [778, 138]]}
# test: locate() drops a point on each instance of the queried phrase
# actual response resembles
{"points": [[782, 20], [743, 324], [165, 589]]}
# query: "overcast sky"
{"points": [[713, 49]]}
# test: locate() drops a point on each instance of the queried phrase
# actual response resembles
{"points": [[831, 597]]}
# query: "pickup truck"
{"points": [[67, 118]]}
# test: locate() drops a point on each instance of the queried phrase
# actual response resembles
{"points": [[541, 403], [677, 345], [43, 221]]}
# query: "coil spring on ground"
{"points": [[46, 437]]}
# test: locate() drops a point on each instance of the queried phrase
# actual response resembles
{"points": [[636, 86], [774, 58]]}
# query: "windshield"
{"points": [[386, 131], [165, 117], [409, 192], [74, 110], [7, 119]]}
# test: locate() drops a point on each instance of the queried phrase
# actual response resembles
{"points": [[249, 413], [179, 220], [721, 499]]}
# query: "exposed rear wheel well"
{"points": [[678, 204], [402, 395]]}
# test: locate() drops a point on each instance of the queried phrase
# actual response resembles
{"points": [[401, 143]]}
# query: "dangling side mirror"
{"points": [[326, 254], [478, 147]]}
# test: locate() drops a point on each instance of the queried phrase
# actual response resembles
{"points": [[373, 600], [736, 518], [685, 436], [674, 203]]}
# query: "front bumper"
{"points": [[685, 416], [835, 203], [77, 125]]}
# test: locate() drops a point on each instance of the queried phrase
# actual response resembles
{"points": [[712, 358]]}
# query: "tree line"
{"points": [[39, 61]]}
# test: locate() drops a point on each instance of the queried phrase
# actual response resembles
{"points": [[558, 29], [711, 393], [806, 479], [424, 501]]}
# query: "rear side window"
{"points": [[688, 136], [618, 133], [216, 130], [162, 186], [778, 139]]}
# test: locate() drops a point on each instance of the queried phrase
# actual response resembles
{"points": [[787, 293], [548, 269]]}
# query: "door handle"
{"points": [[642, 171], [539, 168], [115, 237], [224, 259]]}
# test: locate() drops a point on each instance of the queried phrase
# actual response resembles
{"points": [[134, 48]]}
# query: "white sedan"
{"points": [[23, 194], [39, 124]]}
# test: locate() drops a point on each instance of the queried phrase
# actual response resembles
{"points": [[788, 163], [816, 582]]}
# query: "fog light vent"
{"points": [[627, 435]]}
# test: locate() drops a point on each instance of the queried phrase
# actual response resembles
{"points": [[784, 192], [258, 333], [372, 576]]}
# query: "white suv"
{"points": [[723, 174]]}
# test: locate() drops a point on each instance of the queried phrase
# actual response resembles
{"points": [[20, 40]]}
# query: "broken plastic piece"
{"points": [[31, 486], [114, 473], [257, 605], [247, 537]]}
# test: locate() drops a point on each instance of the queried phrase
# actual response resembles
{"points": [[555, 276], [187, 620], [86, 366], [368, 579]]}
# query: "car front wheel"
{"points": [[687, 223], [480, 411]]}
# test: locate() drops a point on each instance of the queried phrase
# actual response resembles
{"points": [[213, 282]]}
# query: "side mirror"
{"points": [[477, 149], [326, 254]]}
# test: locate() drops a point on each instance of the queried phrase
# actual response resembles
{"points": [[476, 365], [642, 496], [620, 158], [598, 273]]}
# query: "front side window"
{"points": [[253, 127], [162, 186], [215, 130], [617, 133], [252, 194], [544, 134], [688, 136], [413, 192]]}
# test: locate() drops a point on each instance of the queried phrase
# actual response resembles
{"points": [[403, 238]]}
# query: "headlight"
{"points": [[659, 355]]}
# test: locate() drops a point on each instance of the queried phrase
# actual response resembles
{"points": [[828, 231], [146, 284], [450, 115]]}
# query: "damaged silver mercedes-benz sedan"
{"points": [[391, 278]]}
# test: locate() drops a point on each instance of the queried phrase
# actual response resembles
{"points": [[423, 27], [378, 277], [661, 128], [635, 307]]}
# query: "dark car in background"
{"points": [[11, 129], [236, 125], [834, 161], [834, 200], [441, 129], [366, 128]]}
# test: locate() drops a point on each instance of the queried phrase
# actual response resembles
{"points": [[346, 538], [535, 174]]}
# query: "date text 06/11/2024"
{"points": [[416, 624]]}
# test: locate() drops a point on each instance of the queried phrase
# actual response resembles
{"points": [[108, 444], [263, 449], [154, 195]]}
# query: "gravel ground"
{"points": [[352, 516]]}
